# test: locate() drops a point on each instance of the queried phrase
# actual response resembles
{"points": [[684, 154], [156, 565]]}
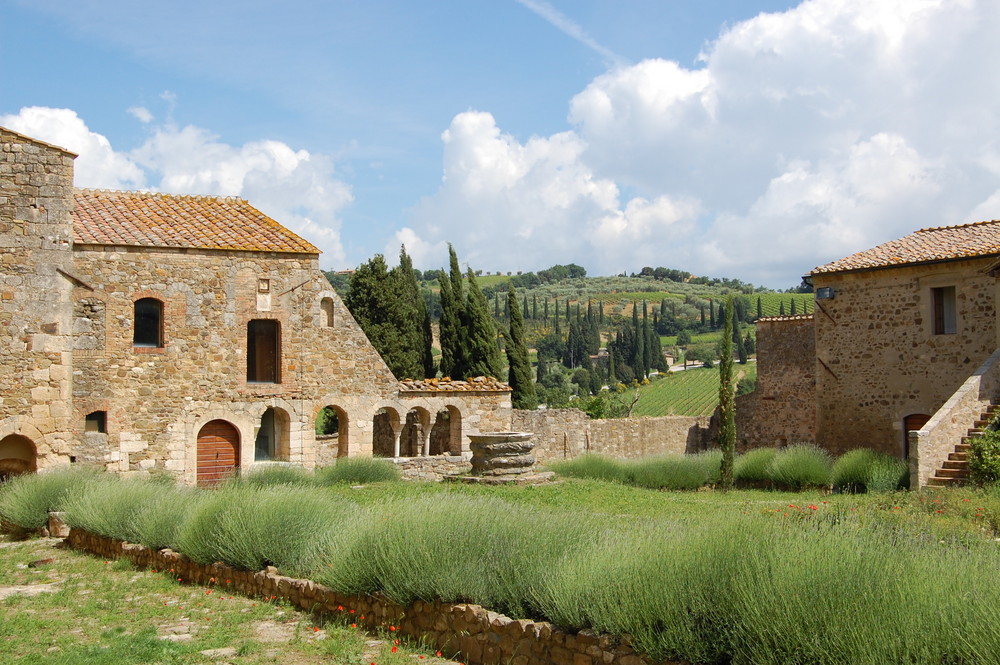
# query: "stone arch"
{"points": [[446, 434], [18, 455], [218, 450], [326, 312], [414, 440], [272, 438], [385, 432], [331, 426], [914, 421]]}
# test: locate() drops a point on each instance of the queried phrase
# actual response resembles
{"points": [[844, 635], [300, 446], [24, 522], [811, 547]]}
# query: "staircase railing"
{"points": [[931, 445]]}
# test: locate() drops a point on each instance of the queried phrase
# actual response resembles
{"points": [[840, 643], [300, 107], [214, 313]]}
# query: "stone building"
{"points": [[190, 334], [898, 333]]}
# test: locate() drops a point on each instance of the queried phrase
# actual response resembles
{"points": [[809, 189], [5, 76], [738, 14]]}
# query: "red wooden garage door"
{"points": [[218, 452]]}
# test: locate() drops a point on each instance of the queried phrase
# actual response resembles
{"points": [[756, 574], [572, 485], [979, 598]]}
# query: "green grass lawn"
{"points": [[693, 392]]}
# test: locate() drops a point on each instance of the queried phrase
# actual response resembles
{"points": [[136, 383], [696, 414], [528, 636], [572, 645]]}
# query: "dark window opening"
{"points": [[148, 327], [96, 422], [326, 304], [943, 303], [263, 351]]}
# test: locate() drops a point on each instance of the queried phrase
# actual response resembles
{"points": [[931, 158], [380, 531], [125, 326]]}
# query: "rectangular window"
{"points": [[263, 351], [944, 311]]}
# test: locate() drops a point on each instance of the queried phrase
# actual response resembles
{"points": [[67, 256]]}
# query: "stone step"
{"points": [[936, 481], [955, 464], [952, 473], [958, 457]]}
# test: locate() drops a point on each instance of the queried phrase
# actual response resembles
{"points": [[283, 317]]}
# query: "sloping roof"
{"points": [[479, 384], [943, 243], [794, 317], [139, 219], [29, 139]]}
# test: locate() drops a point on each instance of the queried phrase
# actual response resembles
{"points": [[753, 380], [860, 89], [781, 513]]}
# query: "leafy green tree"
{"points": [[727, 400], [683, 337], [519, 376], [484, 354]]}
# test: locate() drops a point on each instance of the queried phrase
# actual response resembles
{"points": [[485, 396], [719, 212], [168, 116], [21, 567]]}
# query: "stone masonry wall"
{"points": [[782, 409], [878, 359], [36, 184], [566, 433], [470, 632]]}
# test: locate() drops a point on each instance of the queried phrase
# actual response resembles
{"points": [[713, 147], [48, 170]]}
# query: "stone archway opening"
{"points": [[273, 436], [446, 434], [414, 439], [331, 428], [218, 452], [385, 433], [18, 456]]}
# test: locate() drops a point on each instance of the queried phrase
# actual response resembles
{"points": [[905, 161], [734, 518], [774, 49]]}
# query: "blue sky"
{"points": [[744, 139]]}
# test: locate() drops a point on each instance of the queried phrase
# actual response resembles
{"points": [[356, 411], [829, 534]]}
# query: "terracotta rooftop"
{"points": [[479, 383], [796, 317], [942, 243], [139, 219]]}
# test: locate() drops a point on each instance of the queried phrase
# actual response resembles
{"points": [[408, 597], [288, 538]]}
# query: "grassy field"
{"points": [[693, 392], [59, 606]]}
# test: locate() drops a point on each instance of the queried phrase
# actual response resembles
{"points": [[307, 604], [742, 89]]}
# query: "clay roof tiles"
{"points": [[141, 219], [479, 384], [941, 243]]}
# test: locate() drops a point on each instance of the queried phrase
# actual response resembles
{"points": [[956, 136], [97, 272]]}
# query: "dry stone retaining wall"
{"points": [[478, 635], [566, 433]]}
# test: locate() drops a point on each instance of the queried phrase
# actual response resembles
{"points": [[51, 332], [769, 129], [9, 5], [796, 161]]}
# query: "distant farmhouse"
{"points": [[898, 354], [193, 335]]}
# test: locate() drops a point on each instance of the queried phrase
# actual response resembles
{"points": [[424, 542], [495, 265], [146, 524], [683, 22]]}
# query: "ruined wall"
{"points": [[878, 359], [157, 399], [782, 409], [36, 199], [566, 433]]}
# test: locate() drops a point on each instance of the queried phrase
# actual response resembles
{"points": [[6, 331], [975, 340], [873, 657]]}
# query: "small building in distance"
{"points": [[189, 334]]}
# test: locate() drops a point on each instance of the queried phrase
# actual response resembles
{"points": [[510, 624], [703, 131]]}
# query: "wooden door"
{"points": [[912, 422], [218, 452]]}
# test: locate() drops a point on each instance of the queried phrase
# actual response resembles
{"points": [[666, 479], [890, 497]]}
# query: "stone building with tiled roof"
{"points": [[901, 349], [190, 334]]}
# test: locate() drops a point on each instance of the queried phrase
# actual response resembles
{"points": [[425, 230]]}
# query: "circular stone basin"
{"points": [[501, 453]]}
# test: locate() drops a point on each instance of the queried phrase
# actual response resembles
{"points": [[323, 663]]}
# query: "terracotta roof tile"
{"points": [[796, 317], [479, 383], [104, 217], [926, 245]]}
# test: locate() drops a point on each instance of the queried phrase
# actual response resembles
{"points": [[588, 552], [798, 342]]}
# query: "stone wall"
{"points": [[433, 468], [566, 433], [36, 185], [461, 630], [782, 409], [878, 358]]}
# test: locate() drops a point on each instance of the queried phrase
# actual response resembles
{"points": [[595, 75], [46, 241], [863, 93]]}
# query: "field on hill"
{"points": [[692, 392]]}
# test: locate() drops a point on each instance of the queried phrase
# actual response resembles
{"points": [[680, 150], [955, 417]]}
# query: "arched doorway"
{"points": [[385, 432], [218, 452], [446, 434], [331, 428], [912, 422], [17, 456], [413, 439], [271, 443]]}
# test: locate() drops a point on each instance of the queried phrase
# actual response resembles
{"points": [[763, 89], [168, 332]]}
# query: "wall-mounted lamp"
{"points": [[825, 293]]}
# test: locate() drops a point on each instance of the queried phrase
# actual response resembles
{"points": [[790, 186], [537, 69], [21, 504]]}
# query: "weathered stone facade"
{"points": [[81, 270], [782, 409]]}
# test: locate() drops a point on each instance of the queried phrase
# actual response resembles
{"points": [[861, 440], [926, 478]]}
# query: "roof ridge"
{"points": [[957, 226], [160, 195]]}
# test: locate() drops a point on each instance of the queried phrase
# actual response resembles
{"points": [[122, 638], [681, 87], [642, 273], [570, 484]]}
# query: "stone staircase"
{"points": [[955, 470]]}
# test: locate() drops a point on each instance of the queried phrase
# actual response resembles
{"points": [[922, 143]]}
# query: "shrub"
{"points": [[111, 507], [677, 472], [800, 466], [274, 474], [863, 469], [162, 517], [594, 467], [25, 501], [984, 458], [358, 471], [751, 466]]}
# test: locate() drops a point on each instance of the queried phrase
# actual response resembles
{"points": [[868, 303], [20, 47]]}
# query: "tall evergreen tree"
{"points": [[421, 336], [524, 308], [711, 314], [647, 342], [519, 376], [760, 310], [567, 310], [793, 306], [496, 306], [781, 308], [612, 370], [741, 351], [545, 314], [534, 306], [484, 354], [451, 332], [727, 400]]}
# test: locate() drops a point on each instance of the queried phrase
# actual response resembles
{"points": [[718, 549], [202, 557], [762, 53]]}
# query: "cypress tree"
{"points": [[639, 343], [663, 308], [647, 346], [421, 334], [519, 376], [496, 306], [793, 306], [545, 319], [727, 401], [612, 372], [760, 310], [741, 351], [450, 333], [600, 311], [703, 316], [567, 310], [484, 354], [534, 307], [711, 314], [781, 308], [524, 308]]}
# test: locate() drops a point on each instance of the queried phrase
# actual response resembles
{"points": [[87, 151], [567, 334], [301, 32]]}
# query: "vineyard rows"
{"points": [[693, 392]]}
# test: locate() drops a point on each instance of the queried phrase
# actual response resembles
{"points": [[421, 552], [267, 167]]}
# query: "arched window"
{"points": [[147, 330], [326, 304]]}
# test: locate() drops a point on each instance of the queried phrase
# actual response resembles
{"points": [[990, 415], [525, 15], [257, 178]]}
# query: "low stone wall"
{"points": [[470, 632], [433, 468], [931, 444], [566, 433]]}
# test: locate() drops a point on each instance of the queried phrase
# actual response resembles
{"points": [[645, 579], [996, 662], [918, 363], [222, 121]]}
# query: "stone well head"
{"points": [[502, 453]]}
